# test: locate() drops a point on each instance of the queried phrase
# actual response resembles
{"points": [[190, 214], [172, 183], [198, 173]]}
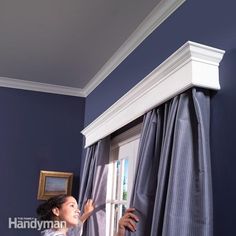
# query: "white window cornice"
{"points": [[192, 65]]}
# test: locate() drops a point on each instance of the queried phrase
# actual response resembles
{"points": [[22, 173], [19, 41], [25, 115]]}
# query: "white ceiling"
{"points": [[71, 45]]}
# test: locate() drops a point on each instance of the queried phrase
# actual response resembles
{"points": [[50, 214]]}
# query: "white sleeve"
{"points": [[76, 231]]}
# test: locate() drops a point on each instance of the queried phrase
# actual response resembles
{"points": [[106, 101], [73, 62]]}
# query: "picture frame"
{"points": [[52, 183]]}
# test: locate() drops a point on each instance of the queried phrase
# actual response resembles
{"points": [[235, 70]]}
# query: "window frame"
{"points": [[132, 137]]}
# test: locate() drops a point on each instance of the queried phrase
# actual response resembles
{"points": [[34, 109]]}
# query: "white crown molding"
{"points": [[164, 9], [191, 65], [161, 12], [40, 87]]}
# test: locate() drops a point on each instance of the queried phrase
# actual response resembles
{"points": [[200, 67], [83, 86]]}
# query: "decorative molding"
{"points": [[191, 65], [40, 87], [160, 13]]}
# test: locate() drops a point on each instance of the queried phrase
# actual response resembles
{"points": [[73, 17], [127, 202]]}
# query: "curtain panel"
{"points": [[94, 186], [172, 192]]}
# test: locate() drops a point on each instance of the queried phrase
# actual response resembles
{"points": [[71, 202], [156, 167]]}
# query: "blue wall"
{"points": [[42, 131], [213, 23], [210, 22], [223, 151], [38, 131]]}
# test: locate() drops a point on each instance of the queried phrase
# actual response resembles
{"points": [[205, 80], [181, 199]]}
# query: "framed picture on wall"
{"points": [[52, 183]]}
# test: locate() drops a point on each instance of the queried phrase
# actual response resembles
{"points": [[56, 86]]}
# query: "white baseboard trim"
{"points": [[191, 65]]}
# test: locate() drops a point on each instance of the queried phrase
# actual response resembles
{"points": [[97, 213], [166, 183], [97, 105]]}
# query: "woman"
{"points": [[63, 211]]}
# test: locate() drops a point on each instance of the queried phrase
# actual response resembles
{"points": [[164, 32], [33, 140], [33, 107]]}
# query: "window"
{"points": [[121, 173]]}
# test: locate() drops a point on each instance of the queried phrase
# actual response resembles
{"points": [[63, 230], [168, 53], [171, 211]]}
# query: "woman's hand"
{"points": [[88, 210], [89, 207], [127, 221]]}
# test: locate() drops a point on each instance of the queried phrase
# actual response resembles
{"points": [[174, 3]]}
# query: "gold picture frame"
{"points": [[52, 183]]}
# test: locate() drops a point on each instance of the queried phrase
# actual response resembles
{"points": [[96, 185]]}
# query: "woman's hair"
{"points": [[44, 211]]}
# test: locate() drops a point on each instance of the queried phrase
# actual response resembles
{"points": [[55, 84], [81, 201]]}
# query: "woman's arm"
{"points": [[88, 210]]}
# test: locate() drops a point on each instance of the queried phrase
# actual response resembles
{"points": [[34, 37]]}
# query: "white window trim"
{"points": [[192, 65], [127, 136], [124, 138]]}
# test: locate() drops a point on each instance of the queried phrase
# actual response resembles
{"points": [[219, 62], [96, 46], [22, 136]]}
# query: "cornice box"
{"points": [[192, 65]]}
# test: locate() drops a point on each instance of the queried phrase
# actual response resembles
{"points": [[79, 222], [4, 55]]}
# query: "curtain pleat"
{"points": [[94, 186]]}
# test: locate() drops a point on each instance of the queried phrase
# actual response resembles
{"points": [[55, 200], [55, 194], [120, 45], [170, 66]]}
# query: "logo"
{"points": [[33, 223]]}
